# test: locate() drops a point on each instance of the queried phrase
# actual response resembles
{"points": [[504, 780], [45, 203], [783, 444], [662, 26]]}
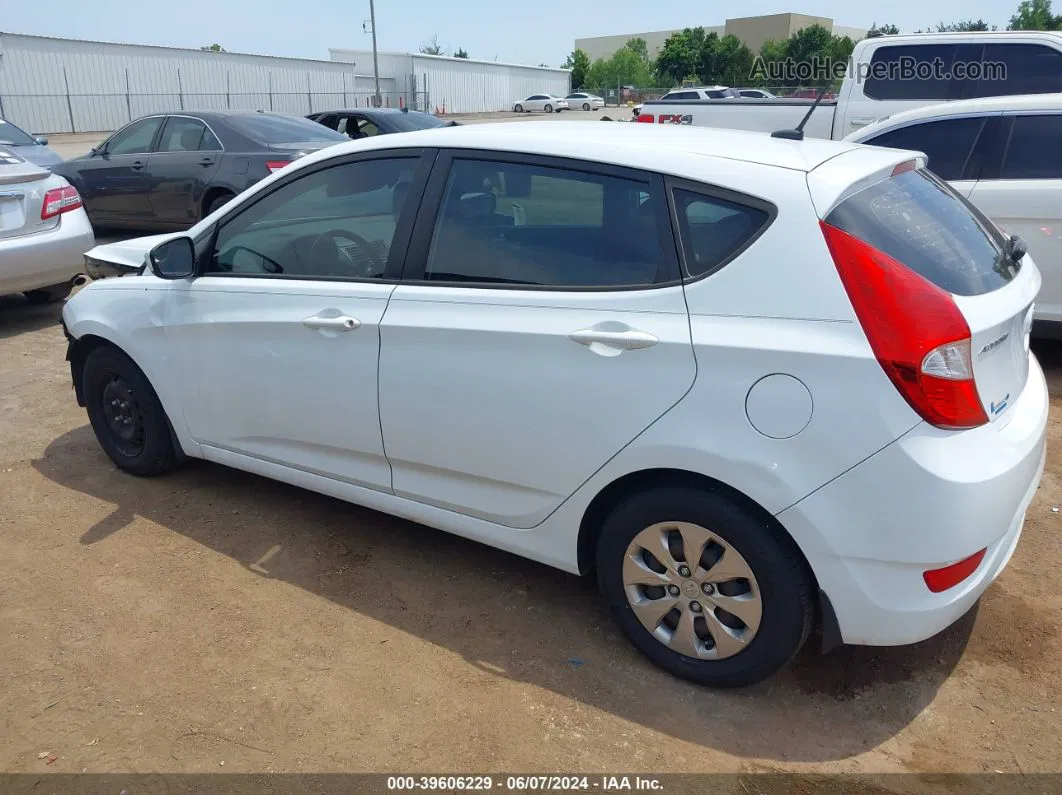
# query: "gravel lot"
{"points": [[210, 620]]}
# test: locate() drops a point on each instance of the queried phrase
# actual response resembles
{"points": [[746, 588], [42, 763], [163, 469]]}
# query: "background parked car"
{"points": [[756, 93], [585, 101], [1003, 154], [694, 92], [167, 171], [543, 102], [43, 231], [21, 143], [367, 122]]}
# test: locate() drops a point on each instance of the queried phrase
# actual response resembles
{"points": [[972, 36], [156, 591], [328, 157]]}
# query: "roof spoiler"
{"points": [[797, 134]]}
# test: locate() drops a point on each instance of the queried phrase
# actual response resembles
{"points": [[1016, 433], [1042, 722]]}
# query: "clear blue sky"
{"points": [[542, 31]]}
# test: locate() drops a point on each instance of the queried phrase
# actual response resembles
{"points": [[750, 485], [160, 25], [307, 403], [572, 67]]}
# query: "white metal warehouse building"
{"points": [[461, 85], [50, 85]]}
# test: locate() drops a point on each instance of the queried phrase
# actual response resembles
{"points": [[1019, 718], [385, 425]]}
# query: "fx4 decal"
{"points": [[675, 118]]}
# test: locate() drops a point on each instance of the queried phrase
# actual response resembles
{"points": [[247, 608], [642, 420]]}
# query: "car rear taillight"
{"points": [[60, 200], [276, 165], [917, 333], [938, 580], [647, 118]]}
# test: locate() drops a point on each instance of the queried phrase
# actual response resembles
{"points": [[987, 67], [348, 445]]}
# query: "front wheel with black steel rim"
{"points": [[704, 586], [125, 413]]}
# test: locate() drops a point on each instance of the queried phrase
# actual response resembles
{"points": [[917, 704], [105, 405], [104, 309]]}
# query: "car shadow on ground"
{"points": [[510, 616], [19, 316]]}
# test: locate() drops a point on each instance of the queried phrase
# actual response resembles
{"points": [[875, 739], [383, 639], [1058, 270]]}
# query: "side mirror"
{"points": [[41, 140], [174, 259]]}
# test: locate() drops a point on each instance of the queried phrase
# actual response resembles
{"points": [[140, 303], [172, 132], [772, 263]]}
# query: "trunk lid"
{"points": [[930, 229], [22, 189]]}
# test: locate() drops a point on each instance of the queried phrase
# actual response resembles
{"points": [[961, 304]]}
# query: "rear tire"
{"points": [[519, 109], [126, 415], [217, 202], [548, 109], [50, 295], [737, 553], [586, 106]]}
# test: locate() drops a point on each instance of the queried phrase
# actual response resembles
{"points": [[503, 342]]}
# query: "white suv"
{"points": [[755, 384], [1002, 153]]}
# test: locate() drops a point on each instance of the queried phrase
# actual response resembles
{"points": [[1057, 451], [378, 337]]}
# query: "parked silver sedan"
{"points": [[544, 102], [44, 231]]}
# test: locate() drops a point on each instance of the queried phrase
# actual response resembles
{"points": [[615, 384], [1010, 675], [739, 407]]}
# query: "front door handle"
{"points": [[862, 121], [137, 165], [207, 161], [340, 323], [630, 340]]}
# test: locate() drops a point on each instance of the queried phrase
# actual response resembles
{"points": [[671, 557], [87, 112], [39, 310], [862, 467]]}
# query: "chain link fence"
{"points": [[78, 113], [628, 96]]}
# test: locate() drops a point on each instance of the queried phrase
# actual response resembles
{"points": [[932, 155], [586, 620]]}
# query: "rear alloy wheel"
{"points": [[519, 109], [586, 106], [548, 109], [126, 415], [703, 586], [50, 295]]}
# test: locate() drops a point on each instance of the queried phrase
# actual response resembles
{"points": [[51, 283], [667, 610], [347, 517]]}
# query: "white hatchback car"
{"points": [[1003, 154], [44, 231], [544, 102], [705, 376]]}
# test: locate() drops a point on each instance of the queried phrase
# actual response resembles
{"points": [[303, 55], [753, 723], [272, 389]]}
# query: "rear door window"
{"points": [[1018, 69], [947, 143], [918, 220], [1035, 148]]}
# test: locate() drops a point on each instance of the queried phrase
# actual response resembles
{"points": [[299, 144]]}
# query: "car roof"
{"points": [[370, 111], [646, 146], [963, 107]]}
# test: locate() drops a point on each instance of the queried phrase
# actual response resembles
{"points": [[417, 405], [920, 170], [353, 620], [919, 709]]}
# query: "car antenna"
{"points": [[797, 134]]}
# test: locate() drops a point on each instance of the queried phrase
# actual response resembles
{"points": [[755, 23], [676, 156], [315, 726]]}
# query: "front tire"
{"points": [[50, 295], [519, 109], [704, 586], [126, 415]]}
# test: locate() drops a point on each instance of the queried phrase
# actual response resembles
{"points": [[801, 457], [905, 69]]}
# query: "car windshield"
{"points": [[10, 134], [415, 120], [273, 129]]}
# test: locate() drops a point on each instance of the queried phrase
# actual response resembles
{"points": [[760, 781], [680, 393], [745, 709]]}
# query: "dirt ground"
{"points": [[211, 620]]}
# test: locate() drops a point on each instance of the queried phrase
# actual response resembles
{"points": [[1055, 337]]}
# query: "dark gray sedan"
{"points": [[31, 149], [168, 171]]}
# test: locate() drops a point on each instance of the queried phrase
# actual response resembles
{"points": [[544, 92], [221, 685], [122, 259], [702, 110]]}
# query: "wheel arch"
{"points": [[78, 351], [212, 193], [612, 494]]}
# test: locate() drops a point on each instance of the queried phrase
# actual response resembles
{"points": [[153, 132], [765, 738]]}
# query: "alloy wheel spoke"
{"points": [[635, 572], [694, 540]]}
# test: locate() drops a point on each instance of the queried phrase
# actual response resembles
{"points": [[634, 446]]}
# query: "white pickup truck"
{"points": [[887, 75]]}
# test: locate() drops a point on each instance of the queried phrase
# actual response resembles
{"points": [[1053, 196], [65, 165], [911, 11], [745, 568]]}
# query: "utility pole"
{"points": [[375, 60]]}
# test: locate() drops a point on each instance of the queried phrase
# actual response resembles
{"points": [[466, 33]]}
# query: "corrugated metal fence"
{"points": [[56, 85]]}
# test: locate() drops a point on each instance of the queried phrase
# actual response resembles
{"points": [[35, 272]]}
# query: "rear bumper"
{"points": [[926, 501], [46, 258]]}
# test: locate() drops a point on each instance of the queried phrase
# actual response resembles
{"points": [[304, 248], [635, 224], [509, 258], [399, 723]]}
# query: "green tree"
{"points": [[733, 61], [838, 53], [680, 56], [882, 30], [460, 52], [771, 53], [1035, 15], [214, 48], [579, 62], [707, 67], [964, 26], [628, 66]]}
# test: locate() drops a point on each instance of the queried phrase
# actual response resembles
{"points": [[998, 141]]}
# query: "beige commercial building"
{"points": [[752, 31]]}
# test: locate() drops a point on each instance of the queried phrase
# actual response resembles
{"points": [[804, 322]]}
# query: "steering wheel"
{"points": [[341, 257]]}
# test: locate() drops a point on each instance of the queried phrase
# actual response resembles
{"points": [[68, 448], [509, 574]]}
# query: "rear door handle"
{"points": [[624, 340], [341, 323], [861, 121], [137, 165], [207, 161]]}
